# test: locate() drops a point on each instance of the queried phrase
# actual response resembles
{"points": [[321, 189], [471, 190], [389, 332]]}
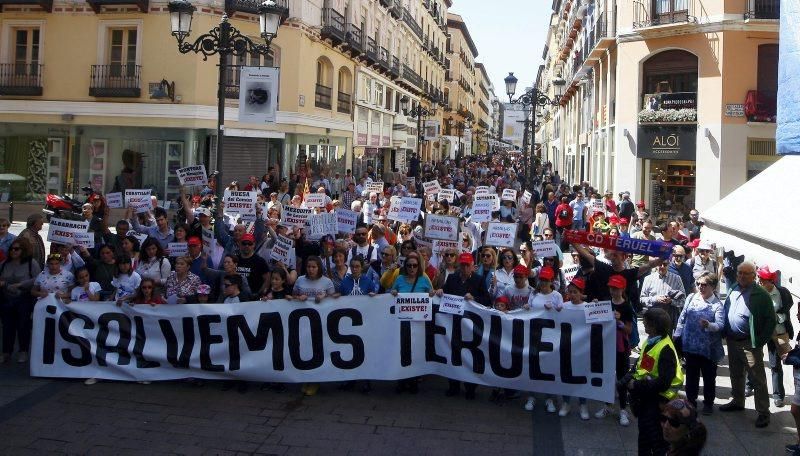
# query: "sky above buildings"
{"points": [[509, 35]]}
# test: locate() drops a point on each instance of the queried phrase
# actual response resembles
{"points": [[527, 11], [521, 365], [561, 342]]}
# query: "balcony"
{"points": [[322, 97], [372, 51], [116, 81], [412, 24], [143, 5], [601, 38], [674, 15], [395, 69], [396, 9], [46, 5], [343, 103], [333, 26], [386, 3], [384, 60], [761, 106], [355, 39], [763, 9], [411, 77], [24, 79], [251, 6]]}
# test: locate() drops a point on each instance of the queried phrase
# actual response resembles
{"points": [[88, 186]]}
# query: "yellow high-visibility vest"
{"points": [[647, 365]]}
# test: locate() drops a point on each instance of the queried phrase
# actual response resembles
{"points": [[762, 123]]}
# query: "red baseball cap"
{"points": [[765, 273], [194, 240], [502, 299], [465, 258], [248, 237], [522, 270], [546, 273], [617, 281], [640, 204], [693, 244], [624, 221], [579, 283], [614, 219]]}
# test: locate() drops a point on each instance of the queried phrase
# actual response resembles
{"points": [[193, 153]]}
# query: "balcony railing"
{"points": [[322, 97], [343, 103], [21, 79], [46, 5], [355, 39], [333, 26], [143, 5], [396, 9], [761, 106], [763, 9], [395, 70], [412, 77], [251, 6], [372, 50], [412, 24], [651, 13], [386, 3], [384, 60], [116, 80]]}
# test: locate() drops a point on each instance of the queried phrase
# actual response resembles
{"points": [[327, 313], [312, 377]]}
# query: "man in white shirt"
{"points": [[579, 210]]}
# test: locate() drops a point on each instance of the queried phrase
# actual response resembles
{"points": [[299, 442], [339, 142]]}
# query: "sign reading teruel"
{"points": [[337, 340]]}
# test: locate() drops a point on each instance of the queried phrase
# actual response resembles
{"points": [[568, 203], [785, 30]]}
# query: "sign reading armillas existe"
{"points": [[667, 142]]}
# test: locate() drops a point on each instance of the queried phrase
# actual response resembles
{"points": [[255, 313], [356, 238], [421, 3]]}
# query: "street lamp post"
{"points": [[225, 40], [419, 112], [530, 100]]}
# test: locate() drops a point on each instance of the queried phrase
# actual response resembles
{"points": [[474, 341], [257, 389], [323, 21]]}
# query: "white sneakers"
{"points": [[564, 410], [551, 406], [584, 412], [602, 413], [624, 420], [530, 404]]}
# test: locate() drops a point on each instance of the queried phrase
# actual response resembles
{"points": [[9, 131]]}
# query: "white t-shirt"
{"points": [[550, 301], [55, 283], [79, 293], [126, 284]]}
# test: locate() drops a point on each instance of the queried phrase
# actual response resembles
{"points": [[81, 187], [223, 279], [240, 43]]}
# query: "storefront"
{"points": [[668, 153], [315, 155]]}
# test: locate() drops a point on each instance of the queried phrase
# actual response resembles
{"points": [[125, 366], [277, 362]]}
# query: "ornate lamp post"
{"points": [[530, 100], [226, 41], [418, 112]]}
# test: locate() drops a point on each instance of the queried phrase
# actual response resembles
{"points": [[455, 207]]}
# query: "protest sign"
{"points": [[440, 246], [452, 304], [283, 251], [312, 200], [482, 190], [627, 245], [414, 307], [295, 216], [208, 241], [422, 241], [493, 198], [409, 209], [141, 237], [192, 176], [346, 221], [376, 187], [63, 231], [570, 272], [432, 187], [447, 194], [411, 182], [542, 249], [321, 224], [114, 200], [84, 239], [598, 206], [526, 197], [596, 312], [178, 249], [442, 227], [501, 234], [242, 204], [482, 211], [554, 353], [395, 202], [134, 197], [509, 194]]}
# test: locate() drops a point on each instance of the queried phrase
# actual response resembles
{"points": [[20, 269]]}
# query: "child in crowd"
{"points": [[85, 290], [233, 286], [203, 293], [126, 281], [277, 286], [518, 296], [546, 298], [148, 294], [575, 295]]}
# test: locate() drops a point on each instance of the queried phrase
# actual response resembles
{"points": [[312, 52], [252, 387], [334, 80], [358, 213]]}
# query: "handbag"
{"points": [[782, 345]]}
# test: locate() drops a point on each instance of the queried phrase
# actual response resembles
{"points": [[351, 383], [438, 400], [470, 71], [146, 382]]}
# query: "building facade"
{"points": [[646, 109], [460, 87]]}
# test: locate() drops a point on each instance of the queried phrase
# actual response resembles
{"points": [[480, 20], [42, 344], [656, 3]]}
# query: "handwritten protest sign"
{"points": [[493, 198], [501, 234], [598, 206], [283, 251], [178, 249], [114, 200], [452, 304], [482, 190], [209, 243], [409, 209], [441, 227], [542, 249], [414, 307], [447, 194], [598, 311], [194, 176], [526, 197], [440, 246], [432, 187], [295, 216], [134, 197], [482, 211], [509, 194], [312, 200], [395, 202], [84, 240], [346, 221], [63, 231], [242, 204], [321, 224], [570, 272], [376, 187]]}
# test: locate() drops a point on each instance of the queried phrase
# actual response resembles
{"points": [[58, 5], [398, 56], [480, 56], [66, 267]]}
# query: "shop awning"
{"points": [[760, 220]]}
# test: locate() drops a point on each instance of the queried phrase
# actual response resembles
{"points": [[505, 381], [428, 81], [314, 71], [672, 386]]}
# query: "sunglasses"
{"points": [[673, 422], [411, 265], [702, 284], [508, 257], [486, 255], [449, 254], [247, 243]]}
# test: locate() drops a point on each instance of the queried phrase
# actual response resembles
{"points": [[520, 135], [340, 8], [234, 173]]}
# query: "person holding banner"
{"points": [[147, 293], [126, 280], [153, 264], [53, 279], [576, 302], [17, 275], [85, 290], [412, 279], [182, 283], [102, 269], [356, 283], [447, 266], [230, 265]]}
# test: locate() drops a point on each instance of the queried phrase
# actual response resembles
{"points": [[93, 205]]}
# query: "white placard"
{"points": [[208, 241], [526, 197], [493, 198], [422, 241], [283, 251], [346, 221], [414, 307], [440, 246], [375, 187], [447, 194], [295, 216], [135, 196], [114, 200], [482, 211], [500, 234], [178, 249], [432, 187], [482, 190], [452, 304], [84, 239], [192, 176], [570, 272], [542, 249], [442, 227], [312, 200], [321, 224], [63, 231], [509, 194], [395, 206], [242, 204], [598, 206], [598, 311], [409, 209], [141, 237]]}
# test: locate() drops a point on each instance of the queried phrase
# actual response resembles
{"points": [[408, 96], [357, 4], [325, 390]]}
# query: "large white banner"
{"points": [[513, 124], [258, 94], [359, 337]]}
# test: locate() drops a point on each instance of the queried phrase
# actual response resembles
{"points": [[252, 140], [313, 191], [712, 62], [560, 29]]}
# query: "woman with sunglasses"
{"points": [[504, 275], [148, 293], [17, 274], [681, 429], [488, 264], [698, 333], [447, 266]]}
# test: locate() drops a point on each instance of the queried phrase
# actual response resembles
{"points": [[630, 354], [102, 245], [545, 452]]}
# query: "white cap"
{"points": [[705, 245]]}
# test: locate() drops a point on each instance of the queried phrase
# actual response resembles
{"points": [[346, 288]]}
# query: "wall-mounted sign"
{"points": [[734, 110], [258, 94], [676, 100], [667, 142]]}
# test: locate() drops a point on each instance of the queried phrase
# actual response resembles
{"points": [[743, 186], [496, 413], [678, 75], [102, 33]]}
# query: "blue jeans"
{"points": [[577, 224]]}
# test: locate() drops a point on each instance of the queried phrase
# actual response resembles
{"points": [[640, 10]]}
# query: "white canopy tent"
{"points": [[760, 220]]}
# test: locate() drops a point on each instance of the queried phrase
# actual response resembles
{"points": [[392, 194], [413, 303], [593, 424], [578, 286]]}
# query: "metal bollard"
{"points": [[11, 212]]}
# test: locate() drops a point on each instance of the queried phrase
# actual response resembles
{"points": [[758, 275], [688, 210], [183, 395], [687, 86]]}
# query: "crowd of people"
{"points": [[676, 301]]}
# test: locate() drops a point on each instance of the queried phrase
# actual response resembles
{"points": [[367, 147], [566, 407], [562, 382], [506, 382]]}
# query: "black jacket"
{"points": [[474, 285], [786, 307]]}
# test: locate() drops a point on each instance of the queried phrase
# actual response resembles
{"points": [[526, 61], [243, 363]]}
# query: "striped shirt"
{"points": [[655, 286]]}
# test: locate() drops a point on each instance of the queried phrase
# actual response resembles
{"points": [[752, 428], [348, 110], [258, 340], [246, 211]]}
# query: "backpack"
{"points": [[564, 214], [368, 259]]}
